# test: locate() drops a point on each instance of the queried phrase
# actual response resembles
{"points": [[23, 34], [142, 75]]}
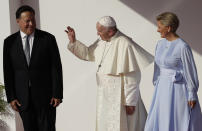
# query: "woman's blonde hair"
{"points": [[169, 19]]}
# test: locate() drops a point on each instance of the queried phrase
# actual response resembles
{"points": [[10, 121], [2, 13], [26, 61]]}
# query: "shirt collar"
{"points": [[23, 35]]}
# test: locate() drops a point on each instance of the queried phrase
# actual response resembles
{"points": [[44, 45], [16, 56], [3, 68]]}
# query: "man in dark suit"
{"points": [[33, 73]]}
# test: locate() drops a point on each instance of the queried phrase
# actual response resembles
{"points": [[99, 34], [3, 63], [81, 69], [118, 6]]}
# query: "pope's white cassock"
{"points": [[119, 62]]}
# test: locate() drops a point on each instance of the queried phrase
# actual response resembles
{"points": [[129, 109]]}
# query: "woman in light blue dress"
{"points": [[175, 105]]}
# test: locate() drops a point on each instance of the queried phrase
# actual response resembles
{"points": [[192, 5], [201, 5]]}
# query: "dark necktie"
{"points": [[27, 49]]}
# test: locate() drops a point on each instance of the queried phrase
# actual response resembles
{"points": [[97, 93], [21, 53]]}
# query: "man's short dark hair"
{"points": [[22, 9]]}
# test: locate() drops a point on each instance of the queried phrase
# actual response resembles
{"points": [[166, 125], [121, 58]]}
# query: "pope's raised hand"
{"points": [[71, 34]]}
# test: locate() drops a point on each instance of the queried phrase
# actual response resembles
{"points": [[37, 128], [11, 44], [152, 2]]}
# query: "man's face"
{"points": [[103, 32], [27, 22]]}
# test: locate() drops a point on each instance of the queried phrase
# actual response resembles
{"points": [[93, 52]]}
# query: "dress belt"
{"points": [[175, 74], [164, 71]]}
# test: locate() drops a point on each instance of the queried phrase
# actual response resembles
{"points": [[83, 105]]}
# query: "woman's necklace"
{"points": [[103, 56]]}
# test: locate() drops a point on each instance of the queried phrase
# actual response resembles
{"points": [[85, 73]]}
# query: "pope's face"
{"points": [[162, 29], [102, 32], [27, 22]]}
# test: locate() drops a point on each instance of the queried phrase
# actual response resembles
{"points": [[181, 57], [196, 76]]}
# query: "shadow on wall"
{"points": [[13, 6], [188, 12]]}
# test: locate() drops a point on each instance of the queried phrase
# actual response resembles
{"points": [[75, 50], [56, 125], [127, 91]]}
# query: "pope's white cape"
{"points": [[122, 57]]}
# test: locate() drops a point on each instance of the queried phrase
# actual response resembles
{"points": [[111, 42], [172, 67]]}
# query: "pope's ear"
{"points": [[111, 32]]}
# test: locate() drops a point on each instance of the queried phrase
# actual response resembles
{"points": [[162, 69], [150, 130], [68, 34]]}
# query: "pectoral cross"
{"points": [[103, 56]]}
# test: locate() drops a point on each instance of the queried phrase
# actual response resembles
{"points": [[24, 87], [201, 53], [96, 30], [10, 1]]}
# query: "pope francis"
{"points": [[119, 63]]}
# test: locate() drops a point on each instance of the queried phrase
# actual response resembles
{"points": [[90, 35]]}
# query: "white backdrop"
{"points": [[136, 19]]}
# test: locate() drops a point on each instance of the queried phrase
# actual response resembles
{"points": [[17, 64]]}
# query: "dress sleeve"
{"points": [[82, 51], [156, 70], [131, 87], [190, 72], [156, 74]]}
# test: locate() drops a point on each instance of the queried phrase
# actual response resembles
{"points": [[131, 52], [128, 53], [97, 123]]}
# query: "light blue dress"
{"points": [[176, 82]]}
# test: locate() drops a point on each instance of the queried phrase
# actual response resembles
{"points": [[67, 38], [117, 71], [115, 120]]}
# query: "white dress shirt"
{"points": [[31, 40]]}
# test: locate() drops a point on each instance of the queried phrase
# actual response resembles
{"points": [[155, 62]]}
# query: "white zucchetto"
{"points": [[107, 21]]}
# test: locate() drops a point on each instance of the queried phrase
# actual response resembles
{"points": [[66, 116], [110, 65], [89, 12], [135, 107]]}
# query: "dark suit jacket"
{"points": [[42, 79]]}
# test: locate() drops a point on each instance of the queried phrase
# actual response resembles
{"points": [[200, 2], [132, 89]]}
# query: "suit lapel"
{"points": [[35, 46]]}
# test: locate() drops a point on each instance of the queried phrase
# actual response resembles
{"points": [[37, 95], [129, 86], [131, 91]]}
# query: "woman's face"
{"points": [[162, 29]]}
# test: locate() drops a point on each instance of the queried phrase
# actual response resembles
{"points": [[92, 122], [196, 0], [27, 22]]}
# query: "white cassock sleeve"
{"points": [[131, 87], [82, 51]]}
